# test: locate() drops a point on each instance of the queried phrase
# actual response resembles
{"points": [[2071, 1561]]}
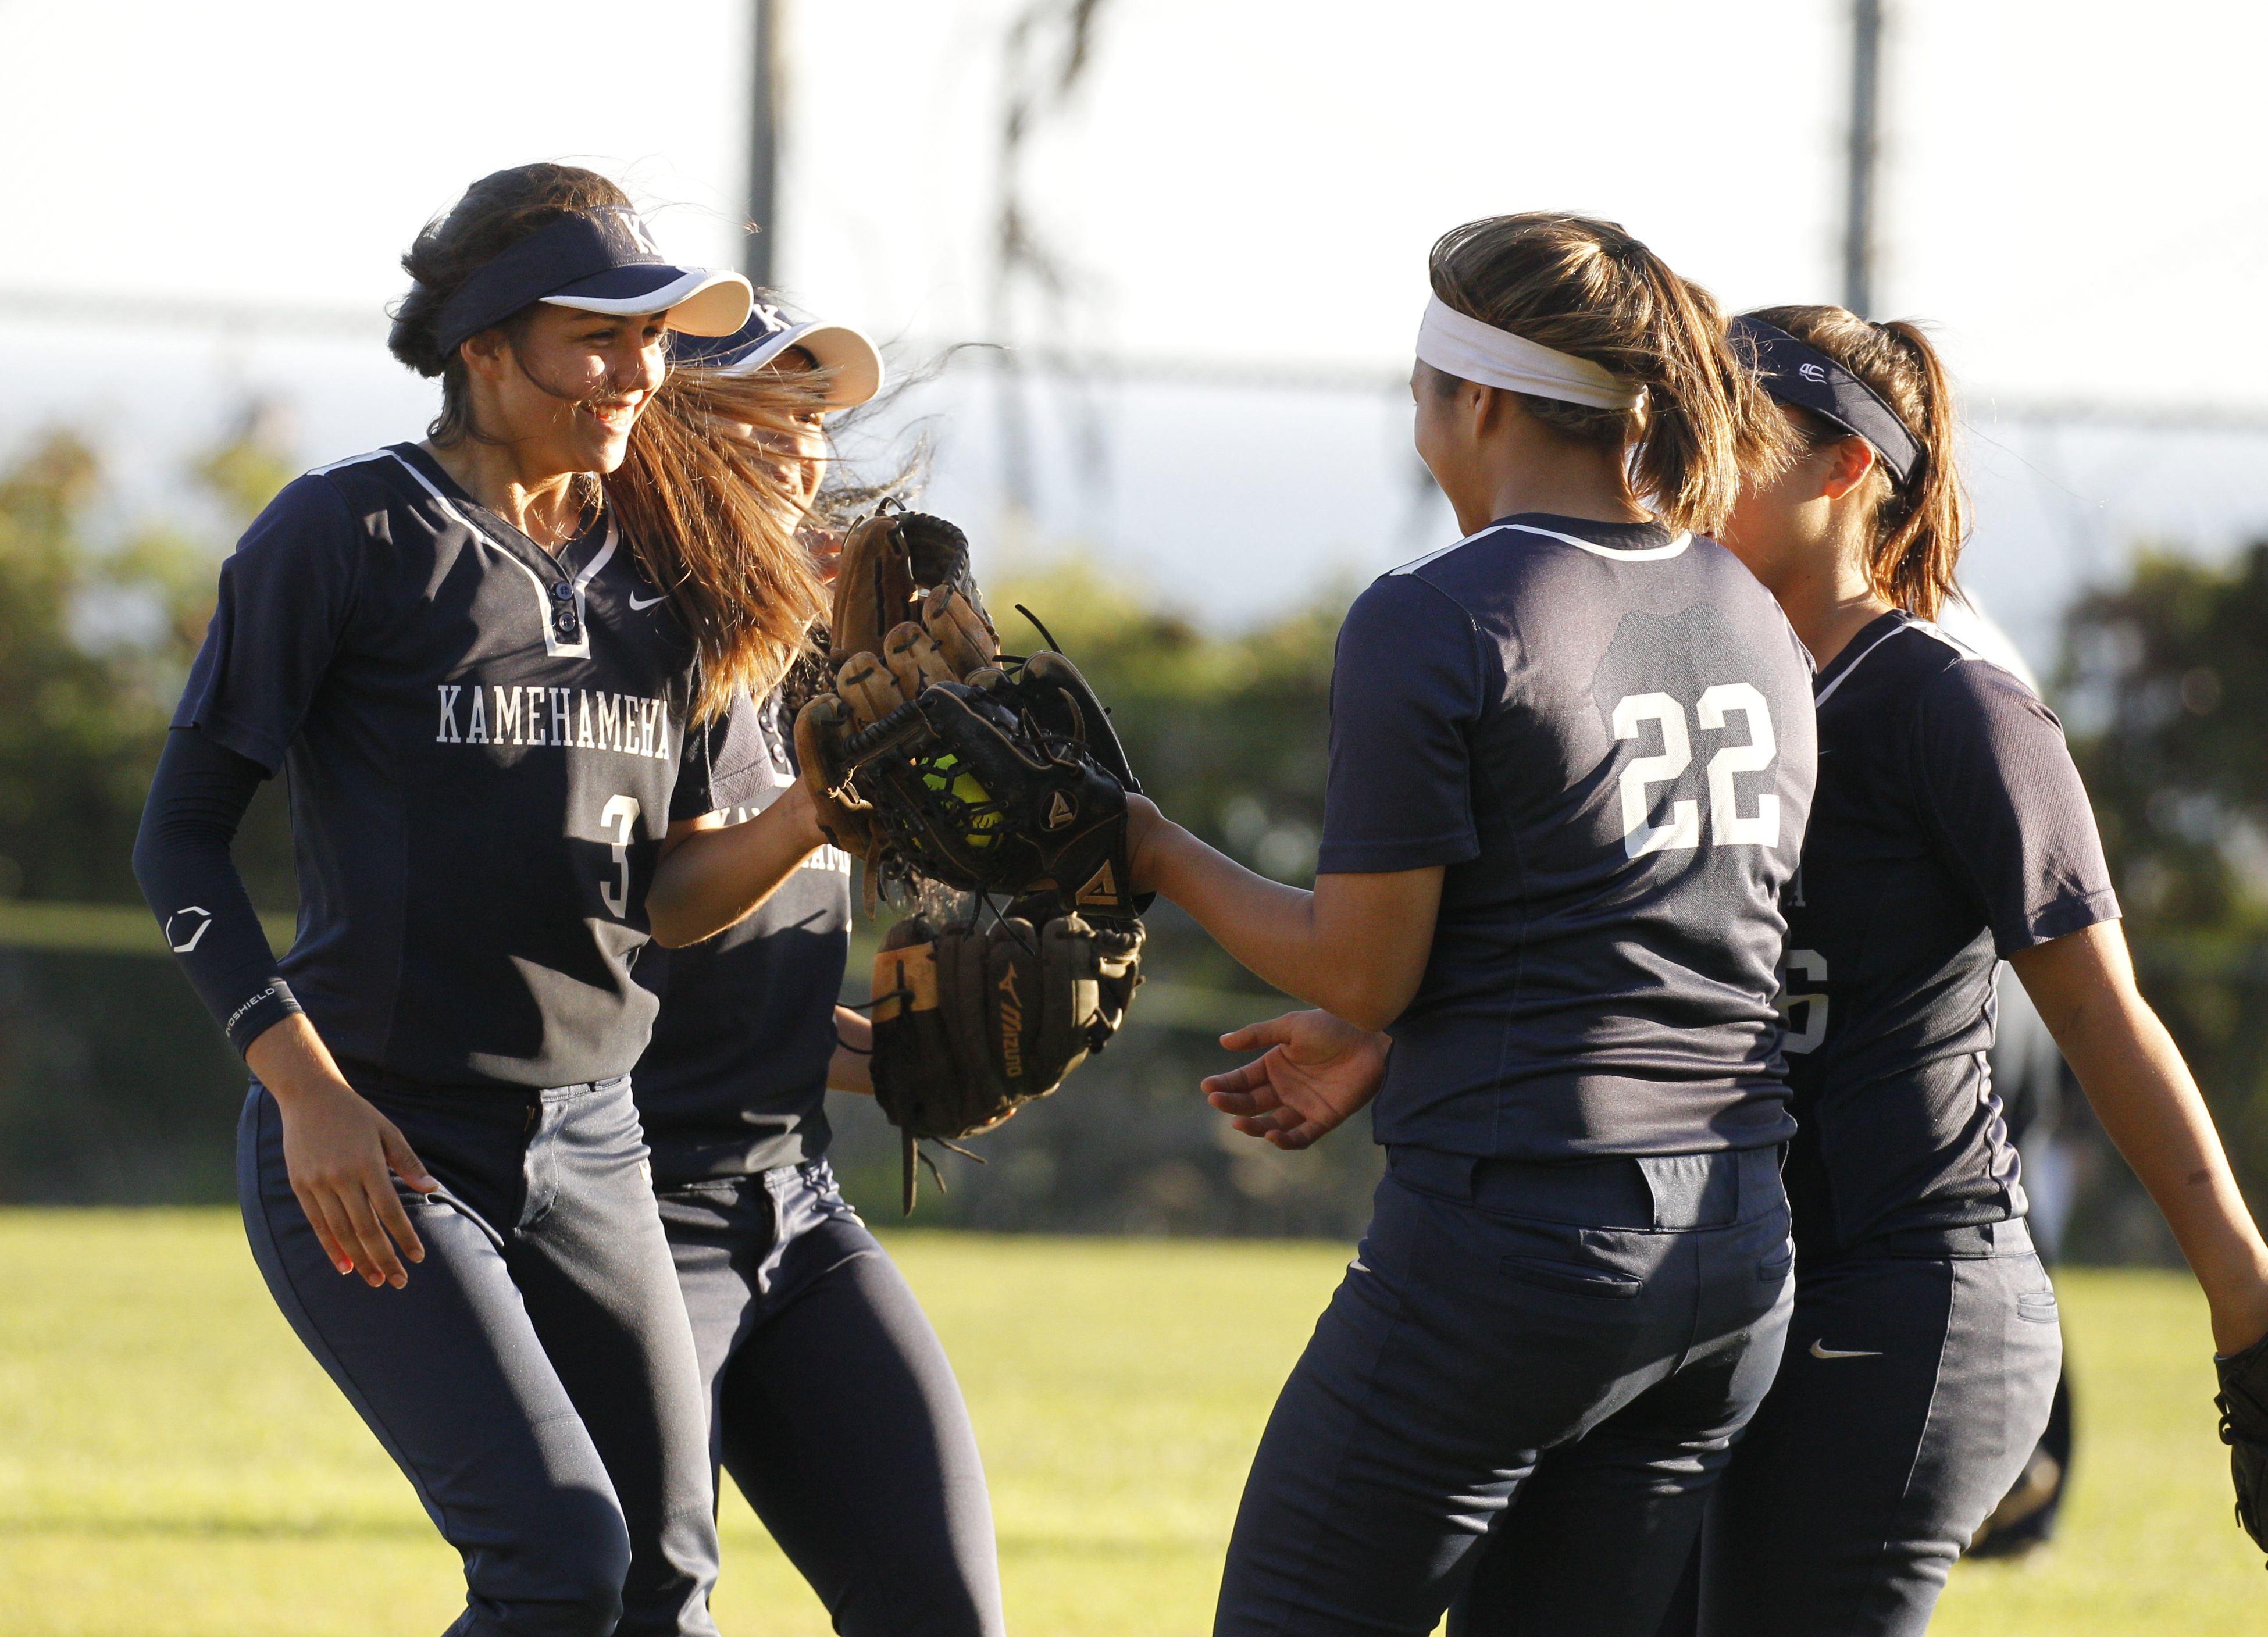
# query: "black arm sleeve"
{"points": [[197, 799]]}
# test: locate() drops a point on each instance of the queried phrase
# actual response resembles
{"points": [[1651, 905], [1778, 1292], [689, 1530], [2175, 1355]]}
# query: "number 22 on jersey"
{"points": [[1728, 827]]}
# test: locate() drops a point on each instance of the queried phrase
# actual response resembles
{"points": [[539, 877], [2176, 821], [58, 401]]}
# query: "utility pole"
{"points": [[1859, 201], [763, 144]]}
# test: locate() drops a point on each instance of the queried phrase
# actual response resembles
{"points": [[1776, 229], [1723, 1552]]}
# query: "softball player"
{"points": [[490, 707], [1569, 765], [1949, 832], [833, 1405]]}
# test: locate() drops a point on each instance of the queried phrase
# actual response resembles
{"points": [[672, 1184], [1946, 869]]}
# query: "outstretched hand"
{"points": [[1315, 1071]]}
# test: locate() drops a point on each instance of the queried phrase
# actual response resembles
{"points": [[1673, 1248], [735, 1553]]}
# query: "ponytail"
{"points": [[1921, 523], [1587, 288]]}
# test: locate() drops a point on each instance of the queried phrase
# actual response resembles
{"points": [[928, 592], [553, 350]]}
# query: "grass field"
{"points": [[172, 1464]]}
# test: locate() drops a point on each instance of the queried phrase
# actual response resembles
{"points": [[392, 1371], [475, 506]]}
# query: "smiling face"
{"points": [[563, 387]]}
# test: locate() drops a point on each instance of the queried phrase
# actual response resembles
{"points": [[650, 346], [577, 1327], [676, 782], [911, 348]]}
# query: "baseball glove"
{"points": [[2243, 1404], [938, 758], [970, 1026], [941, 761]]}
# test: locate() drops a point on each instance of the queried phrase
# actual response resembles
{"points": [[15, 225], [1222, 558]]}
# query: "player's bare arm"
{"points": [[851, 1068], [1355, 946], [2148, 1103], [713, 874]]}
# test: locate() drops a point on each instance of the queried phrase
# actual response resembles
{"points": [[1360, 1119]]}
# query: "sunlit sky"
{"points": [[2074, 192]]}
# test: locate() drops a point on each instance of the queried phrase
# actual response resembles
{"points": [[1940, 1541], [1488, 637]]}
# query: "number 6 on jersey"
{"points": [[1728, 827]]}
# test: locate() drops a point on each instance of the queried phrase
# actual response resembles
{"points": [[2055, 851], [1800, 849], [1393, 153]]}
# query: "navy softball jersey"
{"points": [[1605, 732], [735, 1080], [1950, 831], [486, 743], [1574, 1286]]}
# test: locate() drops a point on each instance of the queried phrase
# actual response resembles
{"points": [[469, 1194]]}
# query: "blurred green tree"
{"points": [[113, 1084], [95, 638], [2166, 693]]}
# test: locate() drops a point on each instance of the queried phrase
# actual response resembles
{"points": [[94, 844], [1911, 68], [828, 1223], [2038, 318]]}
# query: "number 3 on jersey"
{"points": [[1728, 827], [620, 816]]}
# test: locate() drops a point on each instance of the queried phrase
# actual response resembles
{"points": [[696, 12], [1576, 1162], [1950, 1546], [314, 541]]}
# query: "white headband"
{"points": [[1470, 351]]}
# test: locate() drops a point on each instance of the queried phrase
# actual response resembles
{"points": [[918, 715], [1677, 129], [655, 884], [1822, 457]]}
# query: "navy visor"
{"points": [[603, 260], [1795, 372]]}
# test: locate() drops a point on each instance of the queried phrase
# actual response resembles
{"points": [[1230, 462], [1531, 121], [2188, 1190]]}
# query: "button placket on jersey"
{"points": [[564, 617], [568, 622], [567, 619]]}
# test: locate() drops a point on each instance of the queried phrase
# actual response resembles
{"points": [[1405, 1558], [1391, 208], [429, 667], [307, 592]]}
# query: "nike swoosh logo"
{"points": [[648, 602], [1820, 1351]]}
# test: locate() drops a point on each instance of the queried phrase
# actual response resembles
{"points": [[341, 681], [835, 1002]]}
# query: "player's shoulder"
{"points": [[1721, 577], [1895, 654], [343, 491], [371, 479], [1427, 589], [309, 510], [333, 510], [1913, 668], [1977, 698], [1945, 666]]}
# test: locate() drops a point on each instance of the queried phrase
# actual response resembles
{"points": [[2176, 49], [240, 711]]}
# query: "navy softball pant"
{"points": [[1548, 1361], [535, 1380], [1921, 1368], [834, 1406]]}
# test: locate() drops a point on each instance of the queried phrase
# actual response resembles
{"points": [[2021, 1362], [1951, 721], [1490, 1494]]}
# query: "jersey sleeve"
{"points": [[1407, 692], [709, 756], [2005, 804], [285, 596], [750, 769]]}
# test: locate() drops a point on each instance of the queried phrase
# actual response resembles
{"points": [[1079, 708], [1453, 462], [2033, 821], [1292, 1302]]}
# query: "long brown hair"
{"points": [[495, 213], [704, 508], [1919, 524], [1587, 288]]}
